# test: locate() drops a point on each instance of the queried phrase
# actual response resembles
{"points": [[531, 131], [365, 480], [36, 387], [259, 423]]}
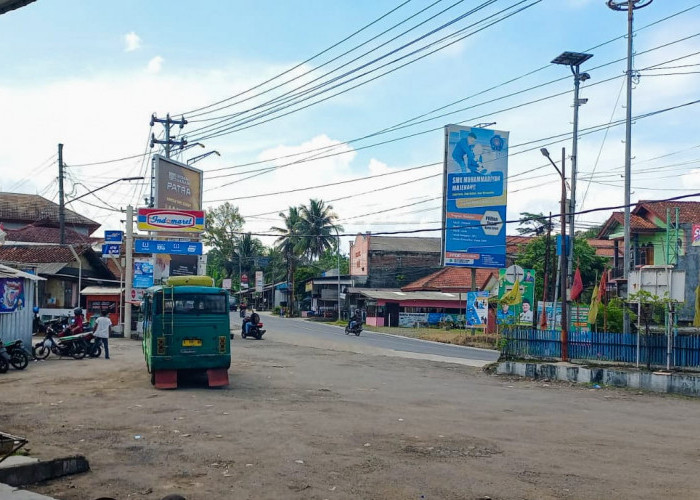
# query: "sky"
{"points": [[91, 74]]}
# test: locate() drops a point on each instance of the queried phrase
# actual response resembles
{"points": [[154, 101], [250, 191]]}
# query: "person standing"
{"points": [[101, 331]]}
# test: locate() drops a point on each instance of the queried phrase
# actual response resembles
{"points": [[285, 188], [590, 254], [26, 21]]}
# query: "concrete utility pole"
{"points": [[168, 142], [61, 198], [629, 6], [129, 274], [574, 61]]}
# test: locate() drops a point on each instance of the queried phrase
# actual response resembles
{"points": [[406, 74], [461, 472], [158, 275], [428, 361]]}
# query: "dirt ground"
{"points": [[305, 423]]}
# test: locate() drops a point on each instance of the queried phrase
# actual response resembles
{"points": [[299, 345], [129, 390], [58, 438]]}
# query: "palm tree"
{"points": [[288, 242], [247, 250], [317, 228]]}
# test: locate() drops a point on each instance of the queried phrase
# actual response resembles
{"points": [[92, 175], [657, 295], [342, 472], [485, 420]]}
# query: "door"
{"points": [[391, 316]]}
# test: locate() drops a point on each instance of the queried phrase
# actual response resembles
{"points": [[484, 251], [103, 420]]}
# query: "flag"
{"points": [[696, 319], [603, 285], [577, 286], [512, 297], [593, 311]]}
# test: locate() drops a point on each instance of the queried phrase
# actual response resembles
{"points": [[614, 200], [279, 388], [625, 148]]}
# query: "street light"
{"points": [[562, 263], [628, 6], [195, 159], [574, 61]]}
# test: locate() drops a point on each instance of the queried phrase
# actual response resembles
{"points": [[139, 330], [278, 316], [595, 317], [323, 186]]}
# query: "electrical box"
{"points": [[658, 280]]}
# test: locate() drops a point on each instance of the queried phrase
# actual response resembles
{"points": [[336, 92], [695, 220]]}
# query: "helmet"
{"points": [[35, 309], [78, 311]]}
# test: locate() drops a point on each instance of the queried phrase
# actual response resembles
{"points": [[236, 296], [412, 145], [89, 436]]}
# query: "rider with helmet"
{"points": [[78, 322]]}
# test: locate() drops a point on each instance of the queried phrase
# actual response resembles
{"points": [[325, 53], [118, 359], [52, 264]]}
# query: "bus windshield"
{"points": [[192, 303]]}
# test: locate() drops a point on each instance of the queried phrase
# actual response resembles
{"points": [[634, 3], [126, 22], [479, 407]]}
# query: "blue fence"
{"points": [[598, 346]]}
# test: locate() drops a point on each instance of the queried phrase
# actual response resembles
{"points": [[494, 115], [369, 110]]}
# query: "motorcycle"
{"points": [[356, 329], [255, 331], [4, 359], [70, 346], [18, 357]]}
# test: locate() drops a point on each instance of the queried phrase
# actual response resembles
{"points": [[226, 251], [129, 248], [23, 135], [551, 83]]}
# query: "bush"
{"points": [[276, 310]]}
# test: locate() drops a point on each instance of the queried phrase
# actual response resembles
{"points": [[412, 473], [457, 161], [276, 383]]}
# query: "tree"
{"points": [[534, 224], [248, 249], [317, 228], [223, 227], [288, 243], [533, 255]]}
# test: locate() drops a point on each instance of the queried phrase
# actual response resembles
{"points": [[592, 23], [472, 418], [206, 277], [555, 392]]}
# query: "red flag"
{"points": [[603, 285], [577, 286]]}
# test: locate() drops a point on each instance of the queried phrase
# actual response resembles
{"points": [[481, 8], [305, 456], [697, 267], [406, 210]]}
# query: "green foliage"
{"points": [[223, 226], [614, 312], [534, 224], [533, 257], [317, 229]]}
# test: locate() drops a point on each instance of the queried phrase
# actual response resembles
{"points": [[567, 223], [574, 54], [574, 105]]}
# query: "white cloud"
{"points": [[155, 65], [132, 42]]}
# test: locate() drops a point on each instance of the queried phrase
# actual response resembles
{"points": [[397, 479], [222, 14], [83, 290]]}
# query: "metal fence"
{"points": [[599, 346]]}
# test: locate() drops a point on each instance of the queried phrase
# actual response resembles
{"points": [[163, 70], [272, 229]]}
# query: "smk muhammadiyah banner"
{"points": [[475, 196]]}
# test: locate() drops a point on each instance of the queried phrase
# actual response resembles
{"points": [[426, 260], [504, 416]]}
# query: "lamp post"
{"points": [[574, 61], [195, 159], [337, 234], [562, 264], [629, 6]]}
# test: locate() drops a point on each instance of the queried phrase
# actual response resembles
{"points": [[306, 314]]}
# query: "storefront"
{"points": [[99, 298]]}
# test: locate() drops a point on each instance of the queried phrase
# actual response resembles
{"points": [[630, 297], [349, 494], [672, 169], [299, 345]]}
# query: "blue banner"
{"points": [[111, 249], [169, 247], [114, 236], [476, 173], [143, 273], [11, 294]]}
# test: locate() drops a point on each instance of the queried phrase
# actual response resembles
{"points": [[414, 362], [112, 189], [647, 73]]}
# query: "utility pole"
{"points": [[629, 6], [168, 142], [129, 274], [563, 285], [61, 198]]}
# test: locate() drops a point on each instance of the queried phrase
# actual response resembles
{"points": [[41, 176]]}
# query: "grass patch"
{"points": [[457, 337]]}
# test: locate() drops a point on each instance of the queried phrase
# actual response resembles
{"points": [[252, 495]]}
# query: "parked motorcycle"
{"points": [[4, 359], [18, 357], [356, 329], [70, 346]]}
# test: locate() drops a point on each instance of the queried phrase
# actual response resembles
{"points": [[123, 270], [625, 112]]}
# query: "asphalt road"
{"points": [[309, 334]]}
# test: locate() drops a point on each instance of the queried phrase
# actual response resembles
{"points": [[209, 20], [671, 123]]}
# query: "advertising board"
{"points": [[521, 313], [474, 197], [177, 186], [173, 221]]}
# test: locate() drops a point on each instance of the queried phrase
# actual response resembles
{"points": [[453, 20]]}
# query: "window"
{"points": [[193, 303]]}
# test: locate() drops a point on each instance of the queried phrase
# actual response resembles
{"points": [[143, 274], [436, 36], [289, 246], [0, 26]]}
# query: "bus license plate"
{"points": [[192, 343]]}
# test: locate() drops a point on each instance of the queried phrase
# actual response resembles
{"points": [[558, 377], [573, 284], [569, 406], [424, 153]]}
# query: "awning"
{"points": [[11, 272], [101, 290]]}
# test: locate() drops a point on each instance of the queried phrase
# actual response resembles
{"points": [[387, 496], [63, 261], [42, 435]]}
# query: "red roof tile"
{"points": [[42, 234], [31, 208], [450, 279], [604, 248], [37, 254], [689, 210], [515, 243]]}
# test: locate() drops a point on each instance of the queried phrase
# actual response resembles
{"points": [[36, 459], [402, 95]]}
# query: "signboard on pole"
{"points": [[114, 237], [143, 273], [174, 221], [478, 309], [474, 198], [110, 249], [176, 185], [259, 281], [521, 313], [244, 282], [226, 283], [170, 247]]}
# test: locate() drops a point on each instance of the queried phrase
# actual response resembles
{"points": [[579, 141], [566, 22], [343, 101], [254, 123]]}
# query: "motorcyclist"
{"points": [[356, 319], [251, 320], [77, 326]]}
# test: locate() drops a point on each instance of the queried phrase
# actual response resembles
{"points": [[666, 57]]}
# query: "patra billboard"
{"points": [[177, 185]]}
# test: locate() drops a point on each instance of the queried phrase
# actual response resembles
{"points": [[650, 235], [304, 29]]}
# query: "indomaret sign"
{"points": [[474, 197], [156, 219]]}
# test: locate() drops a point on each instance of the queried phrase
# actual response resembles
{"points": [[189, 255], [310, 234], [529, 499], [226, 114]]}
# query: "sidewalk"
{"points": [[12, 493]]}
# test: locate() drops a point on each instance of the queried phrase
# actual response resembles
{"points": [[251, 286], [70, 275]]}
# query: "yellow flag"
{"points": [[593, 311], [696, 319], [512, 297]]}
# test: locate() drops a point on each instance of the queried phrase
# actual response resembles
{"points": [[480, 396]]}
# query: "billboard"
{"points": [[177, 221], [474, 197], [259, 281], [176, 186], [12, 298], [170, 247], [523, 312], [478, 309], [143, 273]]}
